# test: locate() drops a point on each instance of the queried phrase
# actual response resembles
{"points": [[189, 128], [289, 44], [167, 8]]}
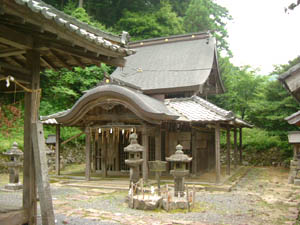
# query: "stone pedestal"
{"points": [[294, 176], [294, 172]]}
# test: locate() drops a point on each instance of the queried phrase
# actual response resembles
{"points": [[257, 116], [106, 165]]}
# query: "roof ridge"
{"points": [[213, 107]]}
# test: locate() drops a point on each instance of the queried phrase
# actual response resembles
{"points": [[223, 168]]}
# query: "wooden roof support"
{"points": [[57, 150], [60, 60], [217, 150], [235, 148], [15, 38], [11, 52], [14, 68], [145, 143], [194, 151], [47, 63], [228, 150], [87, 154]]}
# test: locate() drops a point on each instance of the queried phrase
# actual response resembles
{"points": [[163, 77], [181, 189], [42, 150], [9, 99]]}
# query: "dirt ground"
{"points": [[262, 196]]}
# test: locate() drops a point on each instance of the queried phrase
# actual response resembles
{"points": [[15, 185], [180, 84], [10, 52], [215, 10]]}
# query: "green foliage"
{"points": [[61, 89], [202, 15], [142, 25]]}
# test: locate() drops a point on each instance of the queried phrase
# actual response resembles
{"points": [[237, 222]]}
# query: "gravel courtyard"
{"points": [[262, 196]]}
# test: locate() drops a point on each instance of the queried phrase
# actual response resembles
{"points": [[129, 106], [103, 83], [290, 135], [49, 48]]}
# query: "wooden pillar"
{"points": [[241, 146], [217, 150], [87, 155], [158, 144], [235, 149], [57, 150], [228, 150], [36, 168], [145, 143], [194, 151], [104, 156], [29, 183]]}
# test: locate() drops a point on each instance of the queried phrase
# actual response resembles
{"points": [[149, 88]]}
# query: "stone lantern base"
{"points": [[13, 187], [294, 176]]}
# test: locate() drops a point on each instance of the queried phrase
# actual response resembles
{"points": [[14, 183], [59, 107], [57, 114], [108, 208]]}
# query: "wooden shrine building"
{"points": [[35, 36], [160, 95]]}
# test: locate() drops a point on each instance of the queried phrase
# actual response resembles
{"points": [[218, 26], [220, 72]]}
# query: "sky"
{"points": [[262, 34]]}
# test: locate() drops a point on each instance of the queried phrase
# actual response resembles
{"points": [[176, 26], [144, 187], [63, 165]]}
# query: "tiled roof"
{"points": [[198, 110], [184, 63], [81, 29]]}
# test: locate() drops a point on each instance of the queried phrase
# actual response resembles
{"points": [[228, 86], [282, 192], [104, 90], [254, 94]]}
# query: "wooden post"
{"points": [[194, 151], [217, 149], [29, 185], [241, 146], [235, 149], [104, 157], [228, 150], [145, 143], [158, 144], [57, 150], [34, 151], [87, 154], [41, 168]]}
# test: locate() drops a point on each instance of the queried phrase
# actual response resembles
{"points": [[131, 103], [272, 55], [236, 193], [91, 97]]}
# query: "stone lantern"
{"points": [[14, 155], [135, 157], [294, 176], [180, 160]]}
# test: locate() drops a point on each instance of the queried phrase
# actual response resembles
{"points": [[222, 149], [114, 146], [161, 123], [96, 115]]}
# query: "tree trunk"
{"points": [[80, 5]]}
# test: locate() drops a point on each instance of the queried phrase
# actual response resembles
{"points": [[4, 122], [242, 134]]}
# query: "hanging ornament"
{"points": [[99, 131]]}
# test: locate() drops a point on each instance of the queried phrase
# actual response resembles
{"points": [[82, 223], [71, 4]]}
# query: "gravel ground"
{"points": [[261, 197]]}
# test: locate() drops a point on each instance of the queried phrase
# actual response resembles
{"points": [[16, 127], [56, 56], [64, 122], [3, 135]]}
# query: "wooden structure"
{"points": [[291, 81], [35, 36], [158, 94]]}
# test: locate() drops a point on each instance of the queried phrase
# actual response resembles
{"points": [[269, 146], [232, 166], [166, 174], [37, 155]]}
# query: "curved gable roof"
{"points": [[143, 106]]}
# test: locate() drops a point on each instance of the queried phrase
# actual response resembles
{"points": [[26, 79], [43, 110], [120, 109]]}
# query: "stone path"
{"points": [[261, 197]]}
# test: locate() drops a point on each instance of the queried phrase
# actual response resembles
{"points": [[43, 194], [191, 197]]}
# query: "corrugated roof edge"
{"points": [[173, 38], [106, 35]]}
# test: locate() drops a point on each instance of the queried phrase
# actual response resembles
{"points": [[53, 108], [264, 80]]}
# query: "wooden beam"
{"points": [[11, 52], [235, 148], [87, 155], [45, 61], [41, 169], [61, 60], [14, 68], [89, 55], [57, 150], [71, 138], [228, 150], [111, 117], [217, 149], [145, 143], [77, 60], [104, 158], [15, 39]]}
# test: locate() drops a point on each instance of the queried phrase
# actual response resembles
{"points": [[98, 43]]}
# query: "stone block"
{"points": [[297, 182]]}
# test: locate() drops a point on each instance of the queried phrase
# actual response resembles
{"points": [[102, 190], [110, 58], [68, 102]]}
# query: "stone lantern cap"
{"points": [[179, 156], [133, 146], [14, 151], [294, 137]]}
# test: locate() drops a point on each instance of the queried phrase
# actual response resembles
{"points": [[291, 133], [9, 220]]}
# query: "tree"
{"points": [[202, 15], [142, 25]]}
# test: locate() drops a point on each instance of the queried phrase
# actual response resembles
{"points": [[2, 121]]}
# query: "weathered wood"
{"points": [[57, 150], [29, 183], [15, 68], [41, 169], [194, 151], [145, 143], [15, 217], [87, 155], [11, 52], [217, 150], [228, 150], [104, 157], [71, 138], [241, 146], [235, 149], [158, 144], [14, 38]]}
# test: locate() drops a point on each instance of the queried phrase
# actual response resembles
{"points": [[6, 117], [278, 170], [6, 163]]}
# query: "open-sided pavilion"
{"points": [[35, 36]]}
